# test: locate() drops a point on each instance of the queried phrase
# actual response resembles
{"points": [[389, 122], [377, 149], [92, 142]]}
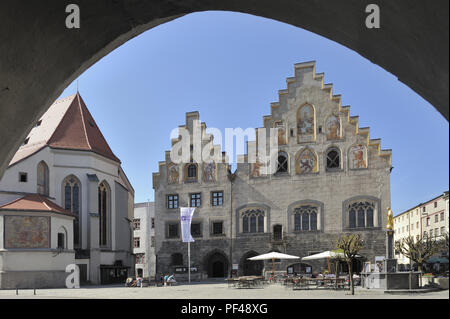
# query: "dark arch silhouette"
{"points": [[250, 267], [216, 264], [411, 43]]}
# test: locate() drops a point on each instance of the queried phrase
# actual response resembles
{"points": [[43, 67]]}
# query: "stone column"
{"points": [[391, 262], [93, 222]]}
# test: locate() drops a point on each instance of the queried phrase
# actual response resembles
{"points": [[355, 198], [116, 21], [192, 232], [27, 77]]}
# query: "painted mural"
{"points": [[281, 132], [173, 174], [306, 123], [256, 168], [358, 156], [209, 172], [27, 232], [333, 128], [306, 162]]}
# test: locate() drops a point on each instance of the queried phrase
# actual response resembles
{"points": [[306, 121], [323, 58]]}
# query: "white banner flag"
{"points": [[186, 218]]}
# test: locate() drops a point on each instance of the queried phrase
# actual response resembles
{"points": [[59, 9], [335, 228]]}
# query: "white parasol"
{"points": [[273, 255]]}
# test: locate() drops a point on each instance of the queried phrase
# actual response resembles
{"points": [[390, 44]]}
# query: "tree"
{"points": [[336, 260], [350, 244], [418, 250]]}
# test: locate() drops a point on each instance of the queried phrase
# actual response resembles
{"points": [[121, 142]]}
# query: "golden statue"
{"points": [[390, 219]]}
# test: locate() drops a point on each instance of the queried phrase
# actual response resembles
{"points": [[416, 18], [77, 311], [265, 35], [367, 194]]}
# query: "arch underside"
{"points": [[40, 57]]}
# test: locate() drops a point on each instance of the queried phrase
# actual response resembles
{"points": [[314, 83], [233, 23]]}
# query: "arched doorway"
{"points": [[216, 265], [251, 267]]}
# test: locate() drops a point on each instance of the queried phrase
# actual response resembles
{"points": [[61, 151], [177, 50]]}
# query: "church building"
{"points": [[65, 199], [330, 178]]}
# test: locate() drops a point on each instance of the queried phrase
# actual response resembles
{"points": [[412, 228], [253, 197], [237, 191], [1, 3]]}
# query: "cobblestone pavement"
{"points": [[212, 291]]}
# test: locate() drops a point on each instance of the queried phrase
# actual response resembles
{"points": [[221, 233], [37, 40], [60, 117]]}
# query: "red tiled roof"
{"points": [[78, 131], [35, 202]]}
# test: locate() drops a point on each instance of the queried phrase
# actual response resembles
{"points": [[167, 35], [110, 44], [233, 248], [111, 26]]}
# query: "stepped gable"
{"points": [[268, 120]]}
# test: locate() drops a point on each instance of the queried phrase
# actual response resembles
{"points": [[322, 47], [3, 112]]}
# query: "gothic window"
{"points": [[305, 218], [333, 159], [282, 163], [103, 210], [42, 179], [72, 202], [361, 214], [253, 220]]}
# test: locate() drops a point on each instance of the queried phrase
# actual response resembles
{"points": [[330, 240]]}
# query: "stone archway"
{"points": [[216, 264], [417, 54], [251, 267]]}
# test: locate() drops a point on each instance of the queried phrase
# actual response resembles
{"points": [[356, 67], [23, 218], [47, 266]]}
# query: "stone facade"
{"points": [[328, 171]]}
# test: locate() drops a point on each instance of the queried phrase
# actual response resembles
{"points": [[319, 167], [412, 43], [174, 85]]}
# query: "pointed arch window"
{"points": [[305, 218], [253, 221], [103, 210], [191, 172], [361, 214], [42, 179], [72, 202], [282, 163], [333, 159]]}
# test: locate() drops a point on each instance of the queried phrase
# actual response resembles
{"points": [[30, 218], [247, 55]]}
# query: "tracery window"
{"points": [[253, 220], [103, 210], [72, 202], [360, 214], [305, 218], [42, 179]]}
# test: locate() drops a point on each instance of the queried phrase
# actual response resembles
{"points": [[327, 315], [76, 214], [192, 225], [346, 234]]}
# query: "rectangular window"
{"points": [[172, 201], [442, 216], [412, 226], [196, 230], [435, 204], [136, 242], [23, 177], [407, 227], [436, 232], [417, 225], [424, 208], [431, 233], [217, 199], [428, 221], [442, 230], [152, 241], [153, 222], [196, 200], [217, 228], [136, 223], [172, 231]]}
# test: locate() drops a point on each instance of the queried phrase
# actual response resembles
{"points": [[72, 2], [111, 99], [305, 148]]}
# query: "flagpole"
{"points": [[189, 261]]}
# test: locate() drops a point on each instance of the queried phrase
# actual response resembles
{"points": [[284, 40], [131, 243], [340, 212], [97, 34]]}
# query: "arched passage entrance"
{"points": [[216, 264], [251, 267], [417, 55]]}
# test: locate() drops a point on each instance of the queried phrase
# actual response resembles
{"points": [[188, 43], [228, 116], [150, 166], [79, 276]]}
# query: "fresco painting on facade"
{"points": [[358, 155], [307, 162], [173, 174], [281, 132], [333, 127], [256, 168], [27, 232], [306, 123], [209, 172]]}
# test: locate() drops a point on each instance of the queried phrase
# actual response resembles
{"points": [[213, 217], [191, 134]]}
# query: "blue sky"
{"points": [[222, 64]]}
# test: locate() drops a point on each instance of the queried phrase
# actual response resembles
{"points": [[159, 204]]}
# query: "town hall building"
{"points": [[65, 199], [330, 178]]}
